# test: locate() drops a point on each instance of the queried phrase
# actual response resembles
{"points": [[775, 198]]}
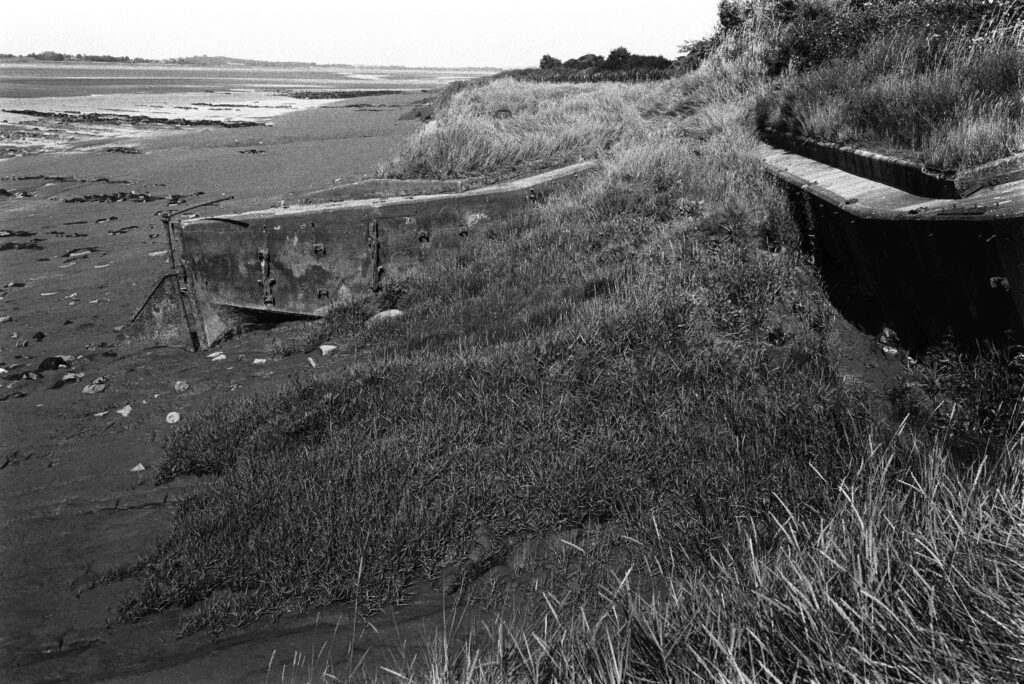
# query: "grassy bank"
{"points": [[625, 409], [900, 80]]}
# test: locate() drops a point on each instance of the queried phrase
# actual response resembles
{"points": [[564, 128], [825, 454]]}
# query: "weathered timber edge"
{"points": [[924, 266], [906, 175]]}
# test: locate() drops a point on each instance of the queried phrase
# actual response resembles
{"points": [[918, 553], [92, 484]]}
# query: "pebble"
{"points": [[181, 386], [386, 315], [173, 417], [138, 469], [6, 319], [312, 363], [125, 410], [258, 362], [328, 349], [96, 386]]}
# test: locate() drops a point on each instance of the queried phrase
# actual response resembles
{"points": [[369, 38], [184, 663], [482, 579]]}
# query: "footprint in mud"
{"points": [[15, 233]]}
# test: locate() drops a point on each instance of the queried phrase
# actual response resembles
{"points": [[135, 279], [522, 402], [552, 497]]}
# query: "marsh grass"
{"points": [[548, 124], [915, 575]]}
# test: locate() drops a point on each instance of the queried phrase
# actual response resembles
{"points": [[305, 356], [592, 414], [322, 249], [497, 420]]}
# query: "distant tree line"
{"points": [[51, 56], [619, 59], [619, 65]]}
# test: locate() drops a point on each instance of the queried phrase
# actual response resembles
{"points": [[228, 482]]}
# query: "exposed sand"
{"points": [[71, 507]]}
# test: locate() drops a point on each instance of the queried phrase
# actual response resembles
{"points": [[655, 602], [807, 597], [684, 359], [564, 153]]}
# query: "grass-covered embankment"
{"points": [[647, 366], [937, 82]]}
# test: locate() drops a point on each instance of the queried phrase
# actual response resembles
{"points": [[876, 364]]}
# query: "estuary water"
{"points": [[173, 95]]}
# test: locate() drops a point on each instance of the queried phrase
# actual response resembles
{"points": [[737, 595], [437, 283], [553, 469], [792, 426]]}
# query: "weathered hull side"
{"points": [[926, 267], [303, 260]]}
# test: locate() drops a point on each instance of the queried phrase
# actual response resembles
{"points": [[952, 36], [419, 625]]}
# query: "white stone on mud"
{"points": [[312, 363], [173, 417], [386, 315], [96, 386], [258, 362], [181, 386], [138, 469], [328, 349], [125, 410]]}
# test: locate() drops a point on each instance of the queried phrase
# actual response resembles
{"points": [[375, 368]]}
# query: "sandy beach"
{"points": [[82, 246]]}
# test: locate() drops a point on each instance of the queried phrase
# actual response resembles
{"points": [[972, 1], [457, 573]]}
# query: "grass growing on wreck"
{"points": [[903, 80]]}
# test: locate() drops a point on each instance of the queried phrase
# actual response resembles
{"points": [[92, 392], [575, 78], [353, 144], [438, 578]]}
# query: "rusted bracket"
{"points": [[267, 282]]}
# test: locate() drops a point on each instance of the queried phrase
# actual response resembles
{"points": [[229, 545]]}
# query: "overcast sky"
{"points": [[502, 33]]}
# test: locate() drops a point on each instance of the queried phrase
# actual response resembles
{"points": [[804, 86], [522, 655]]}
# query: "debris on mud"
{"points": [[129, 119]]}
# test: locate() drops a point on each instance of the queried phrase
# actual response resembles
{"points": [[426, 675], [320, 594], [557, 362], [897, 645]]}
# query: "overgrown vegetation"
{"points": [[624, 406], [936, 81]]}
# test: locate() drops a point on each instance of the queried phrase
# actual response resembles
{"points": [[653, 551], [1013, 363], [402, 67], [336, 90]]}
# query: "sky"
{"points": [[442, 33]]}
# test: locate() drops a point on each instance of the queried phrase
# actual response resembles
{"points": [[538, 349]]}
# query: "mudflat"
{"points": [[81, 247]]}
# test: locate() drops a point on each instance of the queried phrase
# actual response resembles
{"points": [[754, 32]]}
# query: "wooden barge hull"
{"points": [[302, 260], [928, 267]]}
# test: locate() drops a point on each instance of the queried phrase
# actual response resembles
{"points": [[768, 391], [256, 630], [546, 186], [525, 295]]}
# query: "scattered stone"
{"points": [[328, 349], [47, 294], [101, 414], [312, 363], [6, 319], [125, 410], [160, 253], [181, 386], [96, 386], [258, 362], [386, 315], [78, 253], [173, 417], [67, 380], [219, 356], [889, 350], [25, 375], [138, 469]]}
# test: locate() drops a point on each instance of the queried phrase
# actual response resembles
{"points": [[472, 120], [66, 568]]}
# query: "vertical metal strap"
{"points": [[373, 244]]}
